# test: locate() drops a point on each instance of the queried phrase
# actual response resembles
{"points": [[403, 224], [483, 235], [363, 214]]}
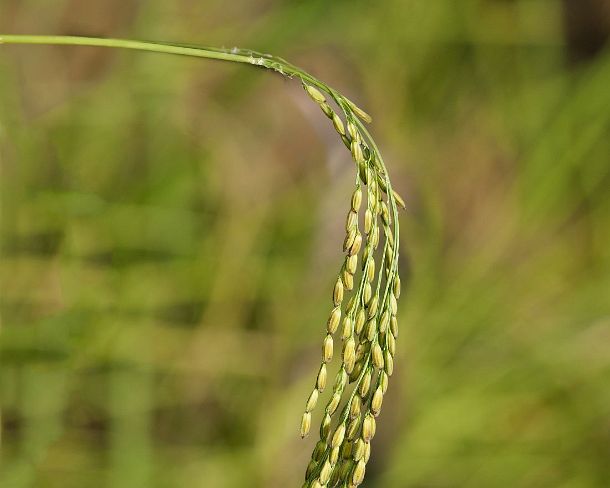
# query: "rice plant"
{"points": [[364, 300]]}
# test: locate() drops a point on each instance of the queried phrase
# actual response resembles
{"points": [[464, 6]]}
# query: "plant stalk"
{"points": [[127, 44]]}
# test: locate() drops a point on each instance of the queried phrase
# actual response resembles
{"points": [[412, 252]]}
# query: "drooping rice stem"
{"points": [[369, 328]]}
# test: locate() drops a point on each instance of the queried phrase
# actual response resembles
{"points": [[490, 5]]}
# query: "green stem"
{"points": [[235, 55], [127, 44]]}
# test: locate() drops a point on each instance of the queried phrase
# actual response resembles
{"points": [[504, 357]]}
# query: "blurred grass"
{"points": [[170, 226]]}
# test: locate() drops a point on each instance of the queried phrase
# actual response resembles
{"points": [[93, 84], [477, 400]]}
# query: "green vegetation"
{"points": [[169, 233]]}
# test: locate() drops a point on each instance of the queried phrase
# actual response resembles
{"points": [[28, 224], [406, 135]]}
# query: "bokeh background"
{"points": [[171, 229]]}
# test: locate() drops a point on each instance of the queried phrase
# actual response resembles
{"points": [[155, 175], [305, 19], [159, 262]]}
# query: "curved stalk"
{"points": [[343, 459]]}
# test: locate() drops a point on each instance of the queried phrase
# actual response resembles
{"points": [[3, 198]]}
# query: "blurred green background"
{"points": [[171, 229]]}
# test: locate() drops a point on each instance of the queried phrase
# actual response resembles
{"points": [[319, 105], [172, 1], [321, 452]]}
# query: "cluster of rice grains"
{"points": [[366, 322]]}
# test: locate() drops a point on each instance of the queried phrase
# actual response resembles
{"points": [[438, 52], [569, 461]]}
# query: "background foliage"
{"points": [[170, 230]]}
